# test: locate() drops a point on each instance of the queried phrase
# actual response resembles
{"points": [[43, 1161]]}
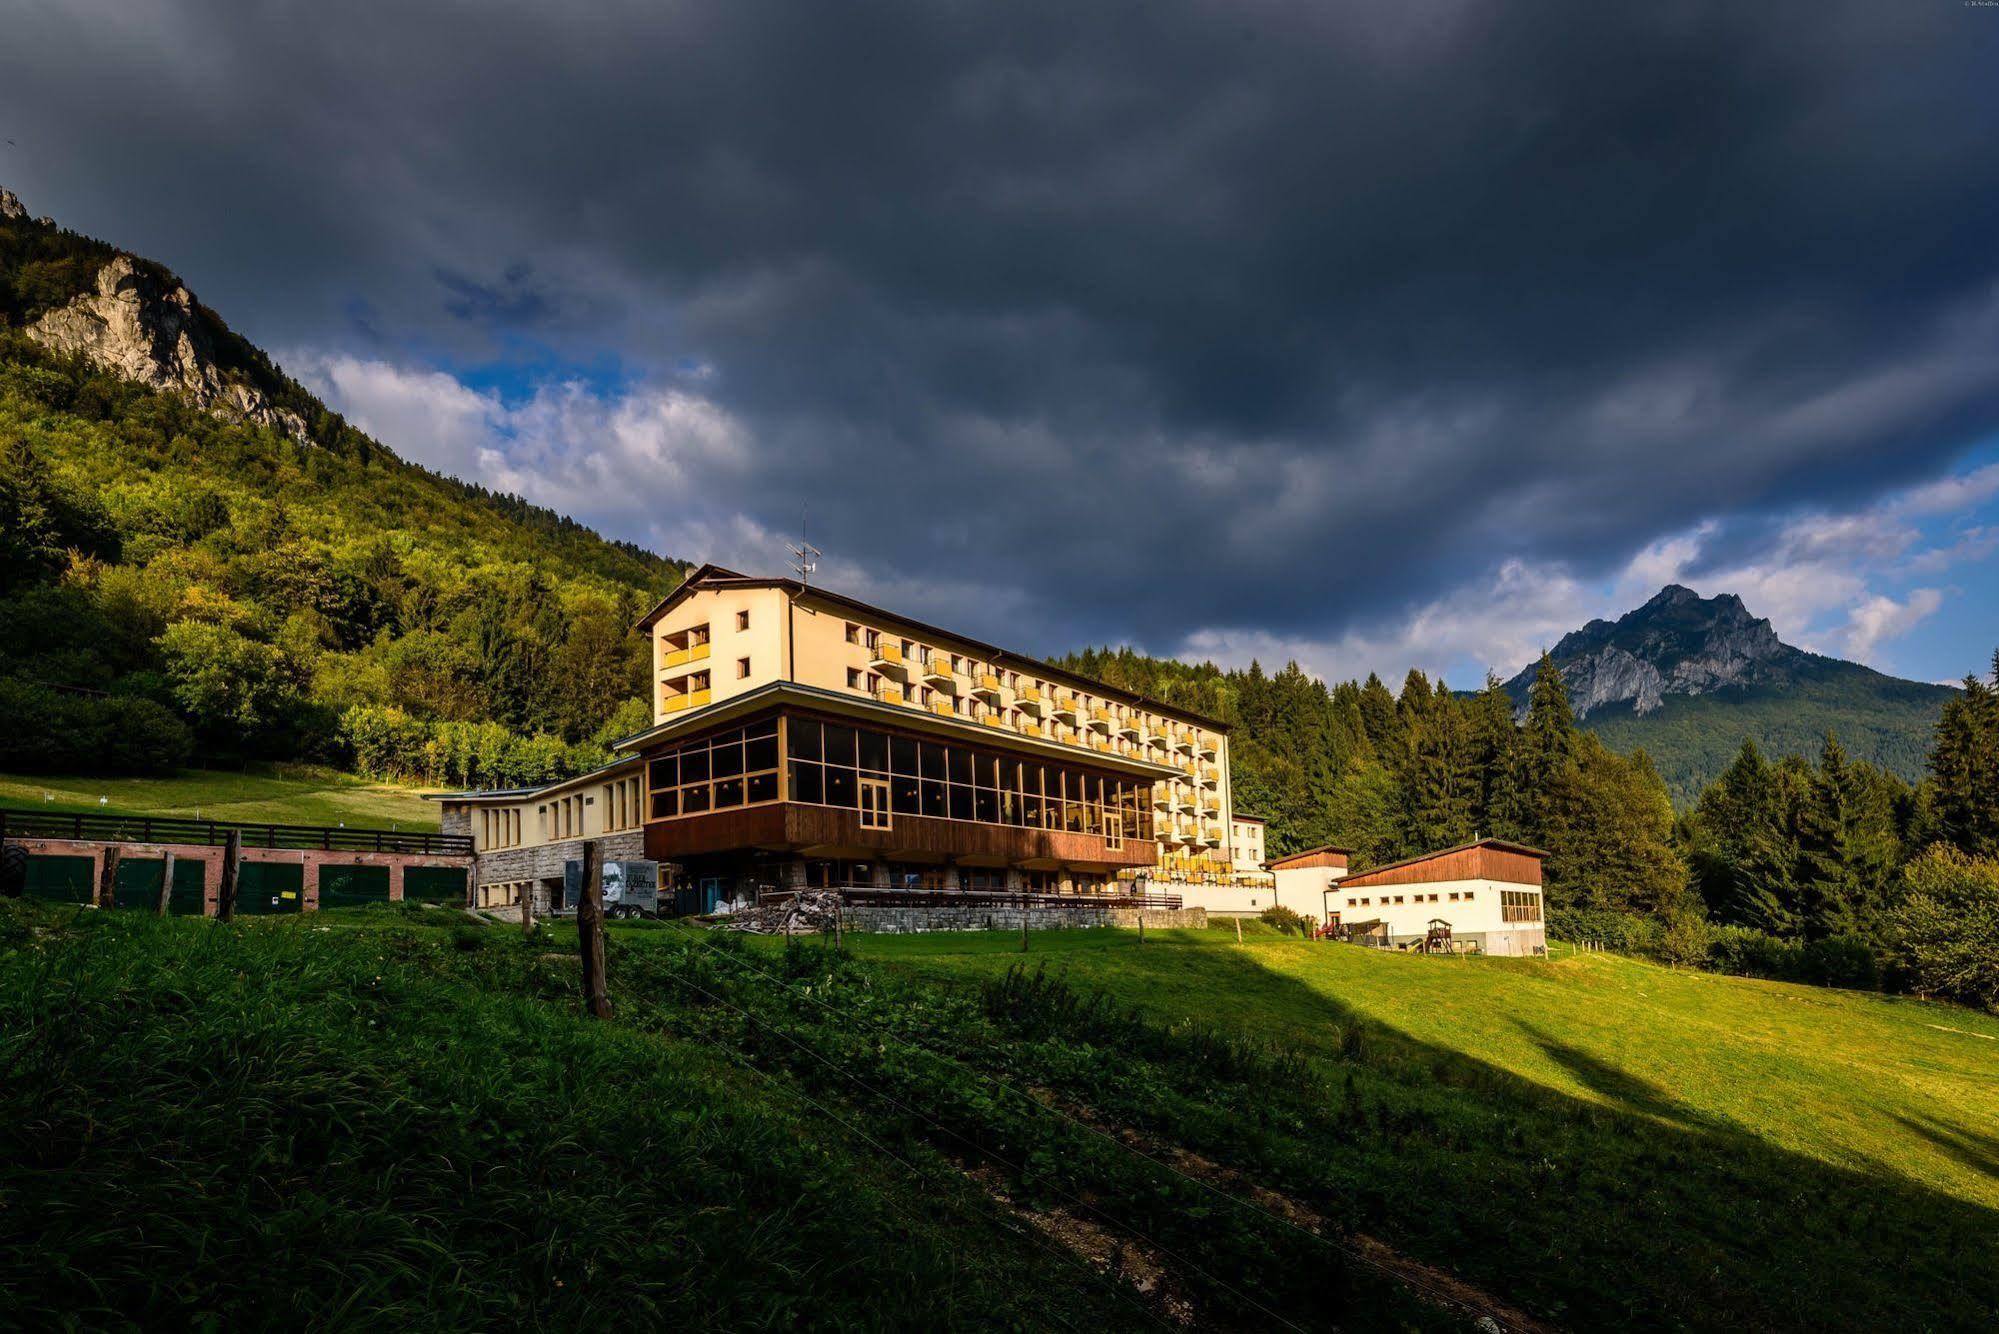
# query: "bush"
{"points": [[1285, 920], [53, 731], [1620, 932]]}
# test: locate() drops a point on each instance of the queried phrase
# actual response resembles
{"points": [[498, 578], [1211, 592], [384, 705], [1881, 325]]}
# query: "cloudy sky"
{"points": [[1373, 335]]}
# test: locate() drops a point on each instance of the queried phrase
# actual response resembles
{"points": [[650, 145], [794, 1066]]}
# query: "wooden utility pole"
{"points": [[232, 866], [1238, 930], [527, 907], [590, 932], [166, 881], [107, 880]]}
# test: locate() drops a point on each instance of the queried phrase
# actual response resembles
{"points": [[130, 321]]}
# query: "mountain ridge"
{"points": [[1699, 675]]}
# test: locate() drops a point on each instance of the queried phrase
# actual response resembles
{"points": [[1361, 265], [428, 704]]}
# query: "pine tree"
{"points": [[1377, 712], [1964, 767]]}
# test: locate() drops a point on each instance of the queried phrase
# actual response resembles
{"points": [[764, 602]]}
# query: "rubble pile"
{"points": [[807, 910]]}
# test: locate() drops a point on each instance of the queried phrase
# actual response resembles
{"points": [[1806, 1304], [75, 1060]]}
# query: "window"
{"points": [[853, 678], [1519, 905], [726, 769], [742, 668], [742, 620], [853, 633], [1398, 898], [874, 803]]}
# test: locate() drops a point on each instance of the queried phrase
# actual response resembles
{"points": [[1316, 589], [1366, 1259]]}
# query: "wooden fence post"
{"points": [[107, 879], [166, 882], [527, 907], [232, 859], [1238, 930], [590, 932], [1023, 921]]}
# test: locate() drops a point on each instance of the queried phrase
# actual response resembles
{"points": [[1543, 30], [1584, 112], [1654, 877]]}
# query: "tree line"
{"points": [[1829, 870]]}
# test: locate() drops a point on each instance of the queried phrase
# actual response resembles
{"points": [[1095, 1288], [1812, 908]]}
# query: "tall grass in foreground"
{"points": [[275, 1125]]}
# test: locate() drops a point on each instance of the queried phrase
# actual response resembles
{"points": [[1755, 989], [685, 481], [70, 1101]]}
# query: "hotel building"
{"points": [[805, 739]]}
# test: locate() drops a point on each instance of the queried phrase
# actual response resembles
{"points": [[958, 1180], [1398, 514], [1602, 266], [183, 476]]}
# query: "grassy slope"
{"points": [[1857, 1081], [286, 794], [272, 1125]]}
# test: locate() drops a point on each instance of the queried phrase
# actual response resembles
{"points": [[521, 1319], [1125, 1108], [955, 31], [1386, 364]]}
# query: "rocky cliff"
{"points": [[142, 324], [1679, 643]]}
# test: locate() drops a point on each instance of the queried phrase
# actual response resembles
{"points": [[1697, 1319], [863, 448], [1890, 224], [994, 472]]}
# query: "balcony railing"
{"points": [[692, 699], [1029, 700], [888, 656], [681, 656], [1065, 708], [987, 683], [890, 695], [940, 673]]}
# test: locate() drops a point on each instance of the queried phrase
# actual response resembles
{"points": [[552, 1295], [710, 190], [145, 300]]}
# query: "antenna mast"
{"points": [[804, 556]]}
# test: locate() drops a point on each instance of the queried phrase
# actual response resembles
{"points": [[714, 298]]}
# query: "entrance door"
{"points": [[874, 803], [711, 893]]}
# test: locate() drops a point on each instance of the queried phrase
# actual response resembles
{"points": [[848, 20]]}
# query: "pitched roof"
{"points": [[1498, 844], [1289, 858], [716, 577]]}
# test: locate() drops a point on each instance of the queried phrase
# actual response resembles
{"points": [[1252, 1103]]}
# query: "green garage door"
{"points": [[61, 879], [435, 884], [352, 886], [138, 886], [270, 887]]}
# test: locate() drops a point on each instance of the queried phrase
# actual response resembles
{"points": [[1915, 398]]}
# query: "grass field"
{"points": [[1885, 1085], [286, 794], [393, 1117]]}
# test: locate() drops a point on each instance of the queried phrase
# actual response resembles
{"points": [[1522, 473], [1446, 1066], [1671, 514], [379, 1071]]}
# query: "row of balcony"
{"points": [[1057, 706]]}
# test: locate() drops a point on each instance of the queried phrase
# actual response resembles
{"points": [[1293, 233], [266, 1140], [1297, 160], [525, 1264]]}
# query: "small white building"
{"points": [[1488, 892], [1246, 845], [1301, 880]]}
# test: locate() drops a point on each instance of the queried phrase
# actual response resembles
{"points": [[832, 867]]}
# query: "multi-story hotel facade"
{"points": [[803, 738]]}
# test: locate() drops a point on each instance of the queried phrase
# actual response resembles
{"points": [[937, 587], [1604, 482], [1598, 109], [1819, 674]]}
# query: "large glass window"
{"points": [[831, 764], [719, 771]]}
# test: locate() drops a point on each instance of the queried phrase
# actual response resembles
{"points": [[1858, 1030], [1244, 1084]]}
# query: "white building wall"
{"points": [[1302, 889], [1472, 907]]}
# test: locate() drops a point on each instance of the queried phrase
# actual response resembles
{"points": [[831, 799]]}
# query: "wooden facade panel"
{"points": [[1309, 860], [1474, 863], [794, 825]]}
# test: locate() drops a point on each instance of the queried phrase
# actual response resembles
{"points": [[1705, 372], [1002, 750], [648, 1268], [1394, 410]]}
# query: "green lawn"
{"points": [[1870, 1083], [280, 794]]}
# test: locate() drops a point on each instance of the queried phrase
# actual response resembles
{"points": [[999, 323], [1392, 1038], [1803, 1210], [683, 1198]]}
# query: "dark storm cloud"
{"points": [[1143, 315]]}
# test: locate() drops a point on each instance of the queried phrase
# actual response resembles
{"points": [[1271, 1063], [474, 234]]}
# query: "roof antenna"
{"points": [[804, 556]]}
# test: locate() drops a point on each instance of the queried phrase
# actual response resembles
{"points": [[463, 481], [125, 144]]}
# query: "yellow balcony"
{"points": [[693, 699], [939, 673], [1029, 700], [1065, 709], [1032, 729], [888, 657], [992, 720], [1207, 778], [1098, 744], [681, 656], [1183, 742], [943, 709], [890, 695], [1206, 747], [1128, 728], [986, 685]]}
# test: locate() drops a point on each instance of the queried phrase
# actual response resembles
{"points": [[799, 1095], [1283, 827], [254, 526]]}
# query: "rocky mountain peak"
{"points": [[141, 323], [11, 207], [1678, 643]]}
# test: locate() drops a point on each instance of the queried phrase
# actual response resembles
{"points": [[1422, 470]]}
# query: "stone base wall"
{"points": [[311, 862], [540, 865], [984, 917]]}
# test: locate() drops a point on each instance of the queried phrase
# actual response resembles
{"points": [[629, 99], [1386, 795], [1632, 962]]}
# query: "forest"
{"points": [[174, 584], [1829, 870]]}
